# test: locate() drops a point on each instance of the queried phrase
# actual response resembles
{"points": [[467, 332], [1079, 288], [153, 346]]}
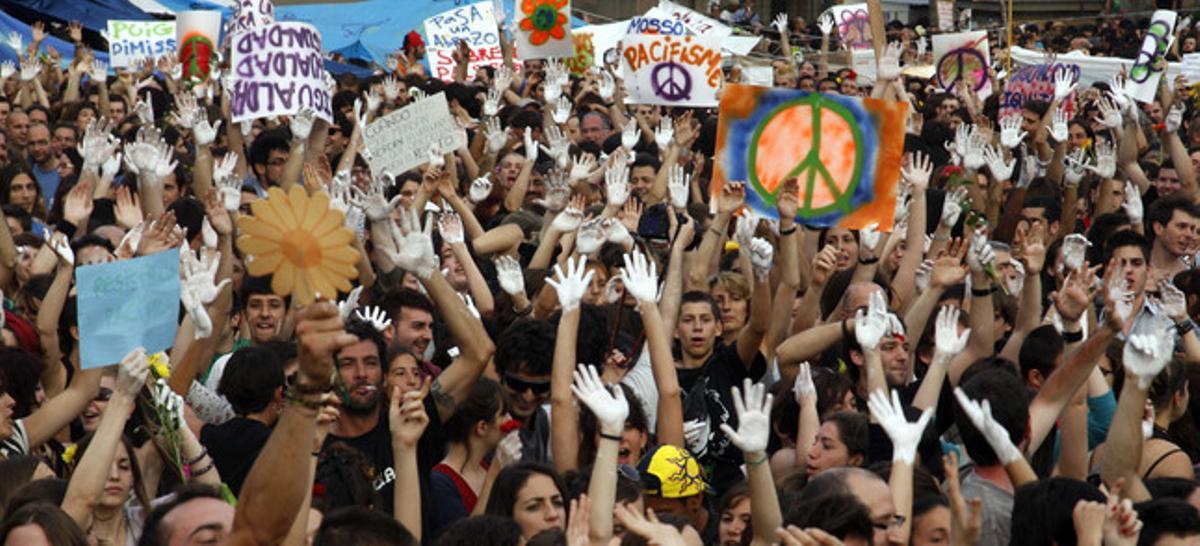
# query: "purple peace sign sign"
{"points": [[671, 81], [957, 64]]}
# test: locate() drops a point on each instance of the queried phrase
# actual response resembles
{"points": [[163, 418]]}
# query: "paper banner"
{"points": [[251, 14], [129, 41], [1092, 69], [962, 56], [1036, 83], [543, 29], [656, 21], [278, 70], [127, 304], [585, 54], [1142, 81], [854, 25], [695, 21], [670, 70], [404, 139], [476, 24], [845, 151], [197, 33]]}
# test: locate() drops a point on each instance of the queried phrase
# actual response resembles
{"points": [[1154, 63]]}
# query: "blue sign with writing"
{"points": [[125, 305]]}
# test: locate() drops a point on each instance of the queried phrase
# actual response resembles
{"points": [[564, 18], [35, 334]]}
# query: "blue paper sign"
{"points": [[127, 304]]}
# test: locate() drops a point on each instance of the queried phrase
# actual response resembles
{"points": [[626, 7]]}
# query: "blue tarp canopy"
{"points": [[92, 14], [9, 24]]}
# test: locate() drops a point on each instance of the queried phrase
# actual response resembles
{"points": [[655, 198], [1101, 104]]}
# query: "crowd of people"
{"points": [[560, 334]]}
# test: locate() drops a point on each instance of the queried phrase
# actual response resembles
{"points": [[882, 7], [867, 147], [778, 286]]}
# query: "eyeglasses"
{"points": [[894, 521], [520, 386], [103, 394]]}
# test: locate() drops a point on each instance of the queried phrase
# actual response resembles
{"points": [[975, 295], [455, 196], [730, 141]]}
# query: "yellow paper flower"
{"points": [[159, 365], [300, 240], [68, 455]]}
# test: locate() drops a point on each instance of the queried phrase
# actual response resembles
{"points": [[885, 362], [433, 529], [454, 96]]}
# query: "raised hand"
{"points": [[1171, 301], [14, 41], [377, 207], [480, 189], [61, 246], [664, 133], [761, 257], [753, 406], [206, 133], [1106, 160], [407, 417], [1110, 110], [947, 340], [780, 23], [391, 89], [973, 159], [508, 272], [229, 187], [733, 195], [1174, 119], [1076, 165], [905, 436], [917, 171], [582, 168], [1146, 355], [1063, 85], [199, 287], [610, 408], [98, 143], [7, 70], [569, 219], [590, 237], [1011, 134], [631, 135], [606, 87], [888, 67], [301, 124], [871, 325], [640, 277], [825, 23], [531, 147], [678, 184], [1001, 171], [616, 184], [995, 433], [803, 389], [1133, 203], [30, 68], [572, 285], [451, 228], [346, 307], [981, 257], [560, 147], [562, 110], [374, 315], [1059, 125], [415, 246], [132, 373]]}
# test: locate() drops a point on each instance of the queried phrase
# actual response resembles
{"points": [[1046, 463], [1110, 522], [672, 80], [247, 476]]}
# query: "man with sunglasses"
{"points": [[524, 359]]}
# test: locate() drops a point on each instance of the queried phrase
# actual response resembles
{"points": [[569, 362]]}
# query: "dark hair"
{"points": [[396, 300], [154, 532], [1042, 510], [267, 141], [59, 528], [484, 530], [91, 239], [139, 487], [646, 160], [1172, 380], [528, 346], [1039, 107], [1053, 209], [252, 377], [697, 296], [1160, 517], [1175, 488], [365, 331], [15, 471], [253, 286], [21, 372], [1161, 211], [589, 427], [1040, 349], [362, 527], [189, 214], [344, 478], [51, 490], [732, 496], [10, 172], [1124, 238], [839, 514], [548, 537], [19, 214], [1009, 400], [503, 499], [925, 503], [854, 429], [484, 402]]}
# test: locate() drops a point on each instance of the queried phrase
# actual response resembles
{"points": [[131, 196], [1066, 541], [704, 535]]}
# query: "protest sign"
{"points": [[863, 62], [543, 29], [127, 304], [1092, 69], [1036, 83], [845, 152], [278, 70], [129, 41], [695, 21], [476, 25], [251, 14], [197, 34], [670, 70], [854, 25], [604, 39], [965, 57], [585, 54], [1142, 82], [656, 21], [404, 139], [1191, 67], [945, 15]]}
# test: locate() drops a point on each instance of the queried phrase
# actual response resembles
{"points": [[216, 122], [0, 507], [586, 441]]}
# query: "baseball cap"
{"points": [[671, 473]]}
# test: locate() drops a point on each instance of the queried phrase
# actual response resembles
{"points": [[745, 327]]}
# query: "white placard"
{"points": [[670, 70], [962, 56], [405, 138], [129, 41], [1142, 81], [476, 24], [278, 70], [250, 14]]}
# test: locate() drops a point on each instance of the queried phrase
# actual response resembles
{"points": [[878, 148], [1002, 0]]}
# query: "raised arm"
{"points": [[407, 420], [947, 343], [753, 407], [905, 437], [640, 277], [451, 227], [516, 195], [610, 409], [1144, 357], [1032, 247], [733, 195], [54, 375]]}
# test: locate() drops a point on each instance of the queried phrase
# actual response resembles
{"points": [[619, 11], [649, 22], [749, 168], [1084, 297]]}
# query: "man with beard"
{"points": [[362, 369]]}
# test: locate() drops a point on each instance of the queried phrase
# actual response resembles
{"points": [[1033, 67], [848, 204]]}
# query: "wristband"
{"points": [[299, 398], [1183, 328], [761, 460], [788, 231], [528, 309], [983, 292], [614, 437], [1072, 337], [200, 457], [868, 261]]}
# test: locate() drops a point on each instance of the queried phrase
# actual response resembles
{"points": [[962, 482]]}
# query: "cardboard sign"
{"points": [[1149, 65], [965, 57], [278, 70], [695, 21], [129, 41], [845, 152], [853, 25], [1036, 83], [197, 33], [543, 29], [251, 14], [475, 24], [670, 70], [404, 139], [127, 304]]}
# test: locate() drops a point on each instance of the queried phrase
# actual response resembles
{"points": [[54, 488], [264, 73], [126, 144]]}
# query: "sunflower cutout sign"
{"points": [[300, 240], [844, 151], [544, 29]]}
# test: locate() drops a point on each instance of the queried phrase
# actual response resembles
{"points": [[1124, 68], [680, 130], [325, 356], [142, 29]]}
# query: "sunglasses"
{"points": [[103, 394], [520, 386]]}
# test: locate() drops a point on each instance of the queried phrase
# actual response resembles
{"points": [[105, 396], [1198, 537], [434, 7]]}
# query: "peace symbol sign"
{"points": [[671, 81], [816, 140], [956, 64]]}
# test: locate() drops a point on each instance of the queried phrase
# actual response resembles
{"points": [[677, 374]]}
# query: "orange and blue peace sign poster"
{"points": [[844, 151]]}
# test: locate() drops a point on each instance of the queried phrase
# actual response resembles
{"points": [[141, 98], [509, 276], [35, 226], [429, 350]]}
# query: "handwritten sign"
{"points": [[945, 15], [1149, 65], [129, 41], [695, 21], [671, 70], [962, 57], [404, 139], [197, 33], [656, 21], [476, 25], [127, 304], [251, 14], [585, 54], [853, 23], [1191, 67], [278, 70], [1036, 83], [543, 29], [845, 152]]}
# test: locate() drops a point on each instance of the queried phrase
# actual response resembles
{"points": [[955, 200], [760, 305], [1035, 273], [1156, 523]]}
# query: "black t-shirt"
{"points": [[234, 445], [376, 446], [707, 396]]}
